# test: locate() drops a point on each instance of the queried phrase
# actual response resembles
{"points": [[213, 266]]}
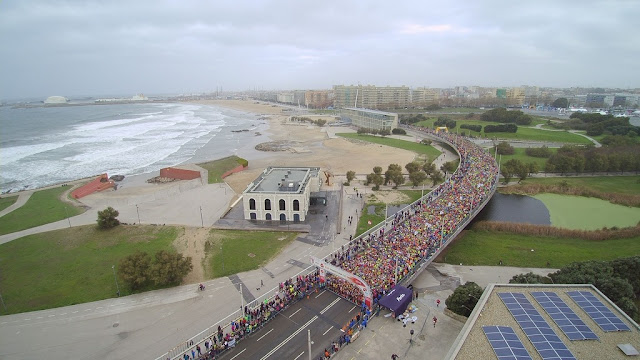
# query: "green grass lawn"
{"points": [[218, 167], [418, 148], [582, 213], [488, 248], [43, 207], [519, 154], [235, 251], [72, 266], [524, 132], [375, 218], [5, 202], [608, 184]]}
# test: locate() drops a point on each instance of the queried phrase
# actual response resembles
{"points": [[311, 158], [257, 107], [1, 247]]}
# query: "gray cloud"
{"points": [[80, 47]]}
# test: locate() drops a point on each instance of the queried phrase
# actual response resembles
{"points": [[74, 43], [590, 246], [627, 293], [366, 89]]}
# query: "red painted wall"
{"points": [[93, 186], [181, 174], [233, 171]]}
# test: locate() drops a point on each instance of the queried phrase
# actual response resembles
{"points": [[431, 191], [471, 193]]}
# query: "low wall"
{"points": [[451, 314], [181, 174], [233, 171], [100, 183]]}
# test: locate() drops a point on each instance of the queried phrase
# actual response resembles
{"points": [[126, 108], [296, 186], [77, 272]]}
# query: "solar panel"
{"points": [[505, 343], [541, 335], [597, 311], [566, 319]]}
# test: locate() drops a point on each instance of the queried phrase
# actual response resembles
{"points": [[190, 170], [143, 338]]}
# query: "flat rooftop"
{"points": [[491, 310], [371, 111], [282, 180]]}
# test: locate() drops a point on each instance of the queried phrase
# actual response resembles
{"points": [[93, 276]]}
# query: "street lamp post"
{"points": [[138, 211], [68, 218], [113, 267], [222, 250], [201, 218]]}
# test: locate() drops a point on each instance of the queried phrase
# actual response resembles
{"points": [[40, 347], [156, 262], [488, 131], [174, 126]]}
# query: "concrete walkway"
{"points": [[22, 199], [594, 141]]}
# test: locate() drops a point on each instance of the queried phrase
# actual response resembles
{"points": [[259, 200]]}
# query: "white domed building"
{"points": [[56, 100]]}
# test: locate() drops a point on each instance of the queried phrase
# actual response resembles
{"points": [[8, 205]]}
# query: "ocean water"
{"points": [[49, 145]]}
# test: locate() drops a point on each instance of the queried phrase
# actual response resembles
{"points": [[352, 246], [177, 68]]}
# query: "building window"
{"points": [[253, 216], [252, 204], [282, 204], [267, 204], [268, 217], [283, 217], [296, 205]]}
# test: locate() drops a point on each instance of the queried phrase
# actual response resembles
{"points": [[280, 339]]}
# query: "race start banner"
{"points": [[325, 267]]}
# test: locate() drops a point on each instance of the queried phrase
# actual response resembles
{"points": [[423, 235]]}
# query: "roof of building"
{"points": [[371, 111], [491, 310], [282, 180]]}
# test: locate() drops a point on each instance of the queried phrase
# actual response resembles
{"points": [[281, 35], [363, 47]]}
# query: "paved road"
{"points": [[285, 337]]}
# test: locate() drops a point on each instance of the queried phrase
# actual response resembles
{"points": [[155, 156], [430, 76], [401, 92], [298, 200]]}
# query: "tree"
{"points": [[391, 173], [436, 177], [412, 167], [529, 278], [417, 177], [515, 167], [507, 173], [134, 269], [429, 168], [169, 268], [464, 298], [449, 167], [534, 168], [377, 170], [561, 103], [107, 218], [350, 176], [397, 179], [377, 180], [504, 148], [384, 132]]}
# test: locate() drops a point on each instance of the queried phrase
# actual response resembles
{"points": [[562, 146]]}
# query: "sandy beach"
{"points": [[313, 146]]}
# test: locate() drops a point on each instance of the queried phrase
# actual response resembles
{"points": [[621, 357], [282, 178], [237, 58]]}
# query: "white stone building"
{"points": [[281, 194]]}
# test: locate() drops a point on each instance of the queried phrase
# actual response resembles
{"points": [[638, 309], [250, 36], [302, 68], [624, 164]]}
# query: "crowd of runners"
{"points": [[381, 258]]}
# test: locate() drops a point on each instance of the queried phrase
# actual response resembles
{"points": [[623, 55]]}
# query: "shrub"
{"points": [[504, 148], [107, 218], [509, 128], [476, 128], [541, 152], [398, 131]]}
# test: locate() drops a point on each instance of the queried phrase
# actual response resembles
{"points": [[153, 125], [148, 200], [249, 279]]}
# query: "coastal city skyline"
{"points": [[77, 48]]}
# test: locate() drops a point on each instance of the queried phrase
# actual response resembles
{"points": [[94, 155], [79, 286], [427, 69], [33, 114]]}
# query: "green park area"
{"points": [[519, 154], [5, 202], [218, 167], [72, 266], [489, 248], [233, 251], [43, 207], [420, 149], [583, 213], [523, 133], [608, 184]]}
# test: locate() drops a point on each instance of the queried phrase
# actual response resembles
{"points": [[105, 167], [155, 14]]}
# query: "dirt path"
{"points": [[191, 243]]}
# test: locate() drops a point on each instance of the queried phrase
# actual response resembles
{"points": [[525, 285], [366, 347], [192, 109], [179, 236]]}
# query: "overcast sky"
{"points": [[124, 47]]}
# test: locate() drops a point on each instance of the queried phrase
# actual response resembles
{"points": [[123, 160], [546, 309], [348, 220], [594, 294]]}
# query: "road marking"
{"points": [[314, 318], [238, 354], [325, 333], [99, 307], [352, 308], [75, 312], [87, 309], [39, 317], [367, 343], [359, 351], [4, 322], [51, 315], [297, 357], [321, 293], [330, 305], [27, 319], [260, 338], [295, 312], [63, 314]]}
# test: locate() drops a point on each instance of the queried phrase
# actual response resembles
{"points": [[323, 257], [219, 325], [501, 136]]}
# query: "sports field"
{"points": [[489, 248], [420, 149], [72, 266], [582, 213]]}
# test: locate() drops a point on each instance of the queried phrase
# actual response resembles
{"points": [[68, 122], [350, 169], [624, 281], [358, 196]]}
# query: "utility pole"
{"points": [[309, 342], [201, 218], [138, 211], [67, 212], [113, 267]]}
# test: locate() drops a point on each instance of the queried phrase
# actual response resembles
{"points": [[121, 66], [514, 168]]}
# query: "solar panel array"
{"points": [[505, 343], [566, 319], [541, 335], [597, 311]]}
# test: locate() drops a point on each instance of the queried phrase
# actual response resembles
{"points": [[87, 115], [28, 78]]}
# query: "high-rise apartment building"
{"points": [[317, 99], [371, 97], [425, 96]]}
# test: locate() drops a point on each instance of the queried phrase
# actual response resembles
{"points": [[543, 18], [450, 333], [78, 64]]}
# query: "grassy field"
{"points": [[489, 248], [235, 251], [43, 207], [5, 202], [418, 148], [582, 213], [524, 133], [519, 154], [218, 167], [72, 266], [609, 184], [375, 218]]}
